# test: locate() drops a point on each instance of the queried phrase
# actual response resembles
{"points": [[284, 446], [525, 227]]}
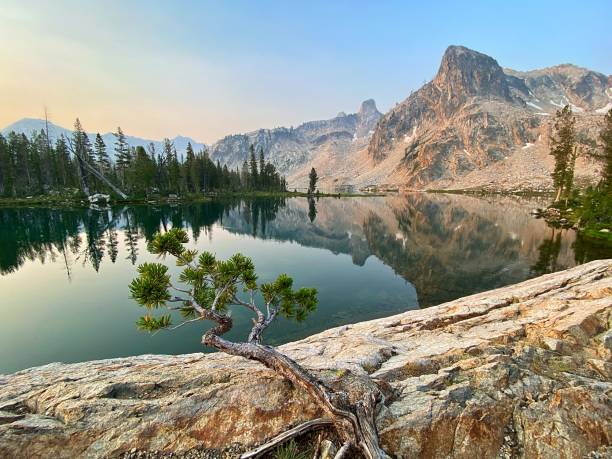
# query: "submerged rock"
{"points": [[522, 371]]}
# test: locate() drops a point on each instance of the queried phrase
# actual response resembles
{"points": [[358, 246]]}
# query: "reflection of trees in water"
{"points": [[257, 213], [130, 239], [548, 254], [36, 234], [312, 209], [586, 249], [113, 243], [437, 244], [94, 227], [89, 235]]}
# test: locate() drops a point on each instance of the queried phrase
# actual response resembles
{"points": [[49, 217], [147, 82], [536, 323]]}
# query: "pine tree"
{"points": [[254, 179], [562, 145], [606, 156], [244, 175], [7, 169], [123, 157], [191, 173], [262, 170], [212, 295], [80, 144], [102, 159], [174, 170], [36, 148], [63, 166], [143, 171], [18, 149], [312, 181]]}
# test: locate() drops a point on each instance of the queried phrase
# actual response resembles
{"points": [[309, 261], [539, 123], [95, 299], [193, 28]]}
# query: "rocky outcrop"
{"points": [[522, 371]]}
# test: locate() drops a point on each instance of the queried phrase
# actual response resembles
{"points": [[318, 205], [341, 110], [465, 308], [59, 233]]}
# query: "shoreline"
{"points": [[63, 201]]}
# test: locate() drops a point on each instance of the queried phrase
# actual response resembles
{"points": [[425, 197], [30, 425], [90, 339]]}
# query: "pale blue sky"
{"points": [[207, 69]]}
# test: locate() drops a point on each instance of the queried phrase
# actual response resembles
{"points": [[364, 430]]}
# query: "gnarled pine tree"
{"points": [[208, 288]]}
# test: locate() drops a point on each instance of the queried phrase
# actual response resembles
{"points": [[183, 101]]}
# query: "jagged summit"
{"points": [[465, 72], [368, 106]]}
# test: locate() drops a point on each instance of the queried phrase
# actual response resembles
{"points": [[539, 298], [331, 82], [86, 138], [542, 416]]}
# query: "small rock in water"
{"points": [[535, 211]]}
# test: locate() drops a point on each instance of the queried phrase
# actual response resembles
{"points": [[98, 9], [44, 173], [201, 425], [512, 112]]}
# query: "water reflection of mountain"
{"points": [[332, 229], [445, 245]]}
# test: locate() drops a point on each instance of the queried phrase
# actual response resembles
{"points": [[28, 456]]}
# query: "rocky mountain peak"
{"points": [[470, 73], [367, 116], [367, 107]]}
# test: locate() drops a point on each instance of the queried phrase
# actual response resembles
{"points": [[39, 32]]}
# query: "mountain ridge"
{"points": [[292, 150]]}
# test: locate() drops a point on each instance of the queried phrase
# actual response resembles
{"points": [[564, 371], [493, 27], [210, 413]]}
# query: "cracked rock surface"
{"points": [[521, 371]]}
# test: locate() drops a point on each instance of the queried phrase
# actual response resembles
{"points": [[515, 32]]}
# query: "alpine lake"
{"points": [[64, 273]]}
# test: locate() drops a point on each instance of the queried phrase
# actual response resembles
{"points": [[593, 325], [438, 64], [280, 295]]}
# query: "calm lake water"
{"points": [[64, 274]]}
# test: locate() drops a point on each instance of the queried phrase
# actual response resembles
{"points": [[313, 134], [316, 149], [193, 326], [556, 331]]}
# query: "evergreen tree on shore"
{"points": [[606, 156], [563, 149], [122, 155], [30, 166], [312, 181], [254, 182], [102, 159]]}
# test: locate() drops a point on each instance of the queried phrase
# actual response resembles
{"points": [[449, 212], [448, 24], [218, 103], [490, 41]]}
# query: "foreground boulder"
{"points": [[522, 371]]}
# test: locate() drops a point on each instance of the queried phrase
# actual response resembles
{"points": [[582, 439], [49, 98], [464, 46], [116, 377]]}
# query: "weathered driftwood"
{"points": [[286, 436]]}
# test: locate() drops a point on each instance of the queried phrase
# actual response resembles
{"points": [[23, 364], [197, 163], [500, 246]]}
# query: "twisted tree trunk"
{"points": [[354, 423]]}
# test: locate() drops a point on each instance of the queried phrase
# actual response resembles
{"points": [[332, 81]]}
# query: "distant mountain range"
{"points": [[475, 125], [28, 126]]}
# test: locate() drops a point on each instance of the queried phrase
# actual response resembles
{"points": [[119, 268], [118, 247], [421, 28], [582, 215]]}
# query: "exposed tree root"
{"points": [[354, 424]]}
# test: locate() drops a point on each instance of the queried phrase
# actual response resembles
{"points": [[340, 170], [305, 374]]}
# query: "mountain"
{"points": [[479, 125], [475, 125], [28, 126], [324, 144]]}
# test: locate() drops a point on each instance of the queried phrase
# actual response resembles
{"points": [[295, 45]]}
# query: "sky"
{"points": [[206, 69]]}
